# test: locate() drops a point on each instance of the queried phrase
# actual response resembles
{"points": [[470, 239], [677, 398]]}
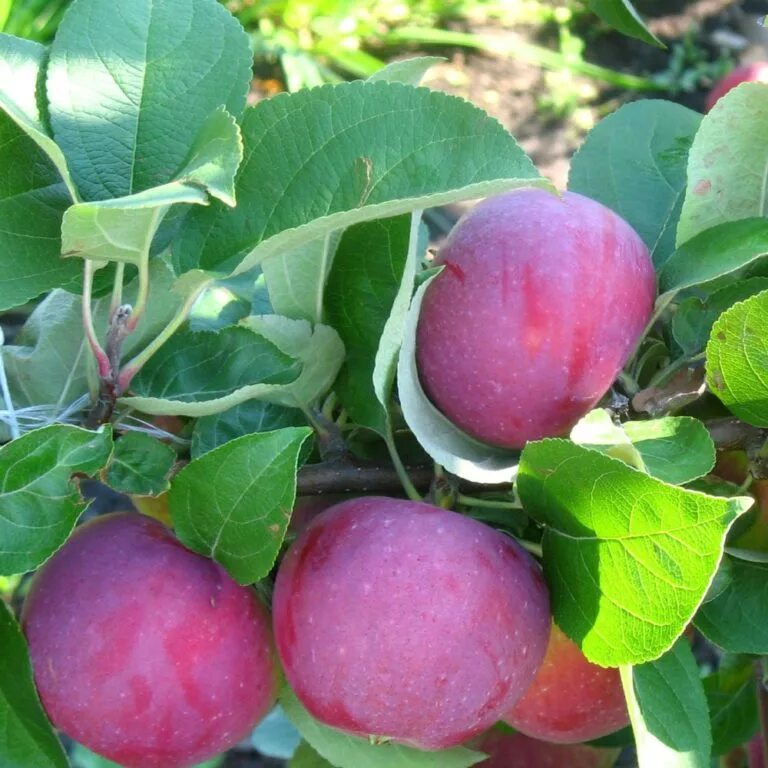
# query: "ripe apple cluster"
{"points": [[391, 619]]}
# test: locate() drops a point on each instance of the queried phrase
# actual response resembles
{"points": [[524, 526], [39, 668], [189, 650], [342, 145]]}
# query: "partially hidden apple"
{"points": [[400, 620], [506, 749], [746, 73], [540, 303], [145, 652], [571, 699]]}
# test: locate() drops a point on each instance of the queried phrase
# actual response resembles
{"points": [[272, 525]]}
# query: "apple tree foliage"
{"points": [[258, 272]]}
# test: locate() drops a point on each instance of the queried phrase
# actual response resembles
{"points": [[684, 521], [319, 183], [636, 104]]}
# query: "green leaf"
{"points": [[40, 502], [26, 736], [122, 229], [598, 432], [318, 348], [668, 711], [21, 65], [715, 252], [140, 465], [125, 129], [48, 367], [205, 372], [634, 162], [446, 444], [621, 15], [736, 619], [408, 71], [675, 449], [628, 559], [728, 163], [737, 359], [693, 320], [732, 703], [296, 279], [251, 416], [345, 751], [32, 202], [234, 503], [357, 151], [306, 757], [366, 279]]}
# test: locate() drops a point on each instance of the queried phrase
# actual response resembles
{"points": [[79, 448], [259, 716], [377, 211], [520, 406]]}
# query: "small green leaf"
{"points": [[234, 503], [446, 444], [628, 558], [296, 279], [622, 16], [715, 252], [345, 751], [318, 348], [668, 711], [126, 129], [197, 374], [732, 703], [693, 320], [737, 359], [388, 149], [736, 619], [140, 465], [21, 64], [675, 449], [26, 738], [306, 757], [367, 275], [634, 162], [598, 432], [40, 502], [728, 163], [408, 71], [251, 416]]}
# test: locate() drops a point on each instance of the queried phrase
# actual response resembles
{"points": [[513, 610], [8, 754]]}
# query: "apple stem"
{"points": [[471, 501], [405, 480], [117, 289], [661, 304]]}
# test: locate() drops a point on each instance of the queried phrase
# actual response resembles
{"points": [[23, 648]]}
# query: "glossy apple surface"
{"points": [[143, 651], [541, 301], [516, 750], [570, 699], [746, 73], [398, 619]]}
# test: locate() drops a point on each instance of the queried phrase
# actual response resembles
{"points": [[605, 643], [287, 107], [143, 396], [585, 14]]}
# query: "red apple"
{"points": [[746, 73], [570, 699], [398, 619], [516, 750], [143, 651], [541, 302]]}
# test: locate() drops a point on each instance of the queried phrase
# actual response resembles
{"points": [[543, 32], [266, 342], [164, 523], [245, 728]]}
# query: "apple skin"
{"points": [[541, 302], [756, 752], [571, 699], [401, 620], [516, 750], [746, 73], [147, 653]]}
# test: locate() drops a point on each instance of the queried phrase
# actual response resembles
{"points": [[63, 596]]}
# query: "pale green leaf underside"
{"points": [[737, 359], [234, 503], [358, 151], [669, 713], [628, 558], [26, 736], [20, 65], [40, 504], [445, 443], [131, 85], [728, 163], [408, 71], [345, 751]]}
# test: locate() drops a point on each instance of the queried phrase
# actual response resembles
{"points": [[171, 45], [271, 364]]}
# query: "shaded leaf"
{"points": [[140, 465], [622, 16]]}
